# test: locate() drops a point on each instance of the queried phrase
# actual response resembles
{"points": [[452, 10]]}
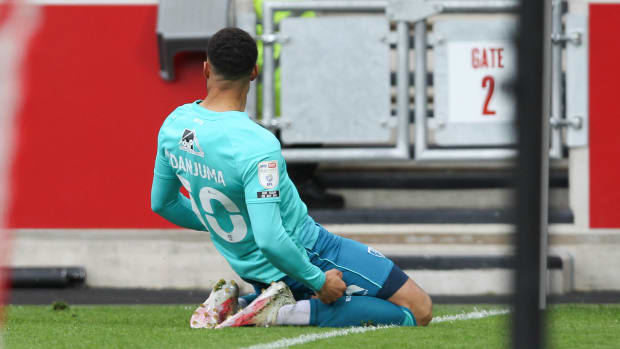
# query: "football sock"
{"points": [[242, 302], [359, 311], [294, 314], [246, 299]]}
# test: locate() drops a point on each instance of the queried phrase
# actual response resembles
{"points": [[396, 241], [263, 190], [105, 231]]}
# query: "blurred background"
{"points": [[396, 119]]}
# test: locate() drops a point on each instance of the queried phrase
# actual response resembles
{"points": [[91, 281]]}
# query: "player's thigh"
{"points": [[367, 266], [364, 269], [367, 272]]}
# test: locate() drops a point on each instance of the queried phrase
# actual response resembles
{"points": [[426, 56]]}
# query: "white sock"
{"points": [[294, 314]]}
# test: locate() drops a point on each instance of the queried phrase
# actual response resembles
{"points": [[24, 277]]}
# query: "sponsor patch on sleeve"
{"points": [[268, 175], [268, 194]]}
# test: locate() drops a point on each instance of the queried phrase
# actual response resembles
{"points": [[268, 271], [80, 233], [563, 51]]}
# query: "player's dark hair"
{"points": [[232, 53]]}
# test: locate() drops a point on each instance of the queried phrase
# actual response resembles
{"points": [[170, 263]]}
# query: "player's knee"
{"points": [[424, 312], [422, 309], [414, 298]]}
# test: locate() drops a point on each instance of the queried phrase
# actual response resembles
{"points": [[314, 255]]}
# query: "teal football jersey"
{"points": [[227, 161]]}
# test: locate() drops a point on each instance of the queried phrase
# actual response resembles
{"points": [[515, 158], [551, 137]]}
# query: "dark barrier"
{"points": [[49, 277], [532, 171], [465, 262]]}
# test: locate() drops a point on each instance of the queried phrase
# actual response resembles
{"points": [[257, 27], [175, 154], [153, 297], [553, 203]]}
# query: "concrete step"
{"points": [[183, 259], [480, 198], [427, 216], [428, 178], [192, 298]]}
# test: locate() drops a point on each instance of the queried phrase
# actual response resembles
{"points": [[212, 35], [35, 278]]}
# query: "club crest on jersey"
{"points": [[268, 175], [189, 143], [375, 253]]}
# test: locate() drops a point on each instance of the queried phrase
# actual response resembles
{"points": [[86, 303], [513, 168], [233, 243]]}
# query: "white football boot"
{"points": [[263, 311], [221, 304]]}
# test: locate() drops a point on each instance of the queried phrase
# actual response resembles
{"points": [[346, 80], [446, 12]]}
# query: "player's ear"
{"points": [[254, 73], [206, 69]]}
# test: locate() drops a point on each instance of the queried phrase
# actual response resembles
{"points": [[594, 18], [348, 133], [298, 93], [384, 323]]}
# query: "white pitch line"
{"points": [[478, 314], [307, 338]]}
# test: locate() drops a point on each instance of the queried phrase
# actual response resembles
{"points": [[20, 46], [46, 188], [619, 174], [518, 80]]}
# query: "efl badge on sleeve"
{"points": [[268, 174]]}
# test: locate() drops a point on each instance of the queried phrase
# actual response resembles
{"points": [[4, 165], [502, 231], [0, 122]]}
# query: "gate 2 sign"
{"points": [[478, 76], [475, 63]]}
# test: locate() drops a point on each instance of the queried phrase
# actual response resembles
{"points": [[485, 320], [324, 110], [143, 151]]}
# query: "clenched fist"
{"points": [[333, 288]]}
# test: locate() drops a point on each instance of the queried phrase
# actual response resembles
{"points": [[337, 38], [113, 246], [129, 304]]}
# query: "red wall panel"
{"points": [[604, 116], [94, 102]]}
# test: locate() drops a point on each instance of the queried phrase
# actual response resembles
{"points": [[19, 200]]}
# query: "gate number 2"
{"points": [[488, 80]]}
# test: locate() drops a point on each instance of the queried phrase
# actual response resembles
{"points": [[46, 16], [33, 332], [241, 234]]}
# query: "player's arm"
{"points": [[282, 252], [263, 202], [167, 201], [279, 248]]}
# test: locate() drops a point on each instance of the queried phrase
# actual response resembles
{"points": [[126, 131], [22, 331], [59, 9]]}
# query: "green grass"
{"points": [[569, 326]]}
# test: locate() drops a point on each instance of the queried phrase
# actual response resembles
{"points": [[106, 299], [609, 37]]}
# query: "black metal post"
{"points": [[528, 322]]}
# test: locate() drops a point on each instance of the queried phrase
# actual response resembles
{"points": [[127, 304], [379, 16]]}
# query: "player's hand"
{"points": [[333, 288]]}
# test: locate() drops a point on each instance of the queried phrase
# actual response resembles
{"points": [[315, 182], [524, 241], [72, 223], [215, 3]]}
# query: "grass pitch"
{"points": [[569, 326]]}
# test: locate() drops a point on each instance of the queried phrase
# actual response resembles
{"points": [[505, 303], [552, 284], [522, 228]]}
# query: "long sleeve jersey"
{"points": [[239, 191]]}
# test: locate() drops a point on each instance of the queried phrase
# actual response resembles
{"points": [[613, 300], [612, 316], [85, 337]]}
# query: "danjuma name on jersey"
{"points": [[196, 169]]}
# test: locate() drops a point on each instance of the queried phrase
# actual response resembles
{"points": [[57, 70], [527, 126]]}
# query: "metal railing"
{"points": [[404, 13]]}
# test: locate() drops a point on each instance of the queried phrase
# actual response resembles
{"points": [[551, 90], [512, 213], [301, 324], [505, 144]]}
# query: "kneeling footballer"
{"points": [[239, 192]]}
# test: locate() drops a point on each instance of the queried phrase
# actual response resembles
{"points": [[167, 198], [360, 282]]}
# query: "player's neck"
{"points": [[222, 100]]}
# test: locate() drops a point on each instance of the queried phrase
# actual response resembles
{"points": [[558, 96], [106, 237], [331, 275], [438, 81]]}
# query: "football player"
{"points": [[239, 192]]}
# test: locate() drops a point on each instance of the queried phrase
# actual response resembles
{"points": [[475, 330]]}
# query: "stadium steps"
{"points": [[162, 258], [43, 285], [447, 259], [431, 196], [427, 216], [115, 296], [428, 179]]}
